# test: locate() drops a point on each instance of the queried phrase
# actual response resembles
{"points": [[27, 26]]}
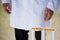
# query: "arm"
{"points": [[7, 5], [51, 7]]}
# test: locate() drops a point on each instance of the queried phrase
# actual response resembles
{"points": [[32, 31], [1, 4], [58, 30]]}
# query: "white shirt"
{"points": [[26, 14]]}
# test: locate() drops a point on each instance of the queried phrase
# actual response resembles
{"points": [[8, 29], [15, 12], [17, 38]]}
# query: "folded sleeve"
{"points": [[6, 1], [53, 5]]}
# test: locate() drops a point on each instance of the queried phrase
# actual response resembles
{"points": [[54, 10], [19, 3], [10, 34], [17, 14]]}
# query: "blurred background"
{"points": [[7, 33]]}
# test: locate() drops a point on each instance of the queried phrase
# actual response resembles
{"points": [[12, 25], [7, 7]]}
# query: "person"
{"points": [[27, 14]]}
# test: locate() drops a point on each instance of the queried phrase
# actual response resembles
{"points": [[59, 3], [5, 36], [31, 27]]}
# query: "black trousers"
{"points": [[23, 34], [38, 35]]}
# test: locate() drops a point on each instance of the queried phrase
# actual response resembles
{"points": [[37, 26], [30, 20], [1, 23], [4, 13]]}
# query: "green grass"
{"points": [[6, 32]]}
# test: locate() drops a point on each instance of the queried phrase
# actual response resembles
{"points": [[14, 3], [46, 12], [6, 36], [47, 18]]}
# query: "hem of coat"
{"points": [[49, 26]]}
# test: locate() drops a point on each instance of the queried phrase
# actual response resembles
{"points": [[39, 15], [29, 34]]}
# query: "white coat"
{"points": [[26, 14]]}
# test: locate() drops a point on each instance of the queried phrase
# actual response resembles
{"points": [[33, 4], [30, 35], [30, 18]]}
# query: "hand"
{"points": [[48, 14], [7, 7]]}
